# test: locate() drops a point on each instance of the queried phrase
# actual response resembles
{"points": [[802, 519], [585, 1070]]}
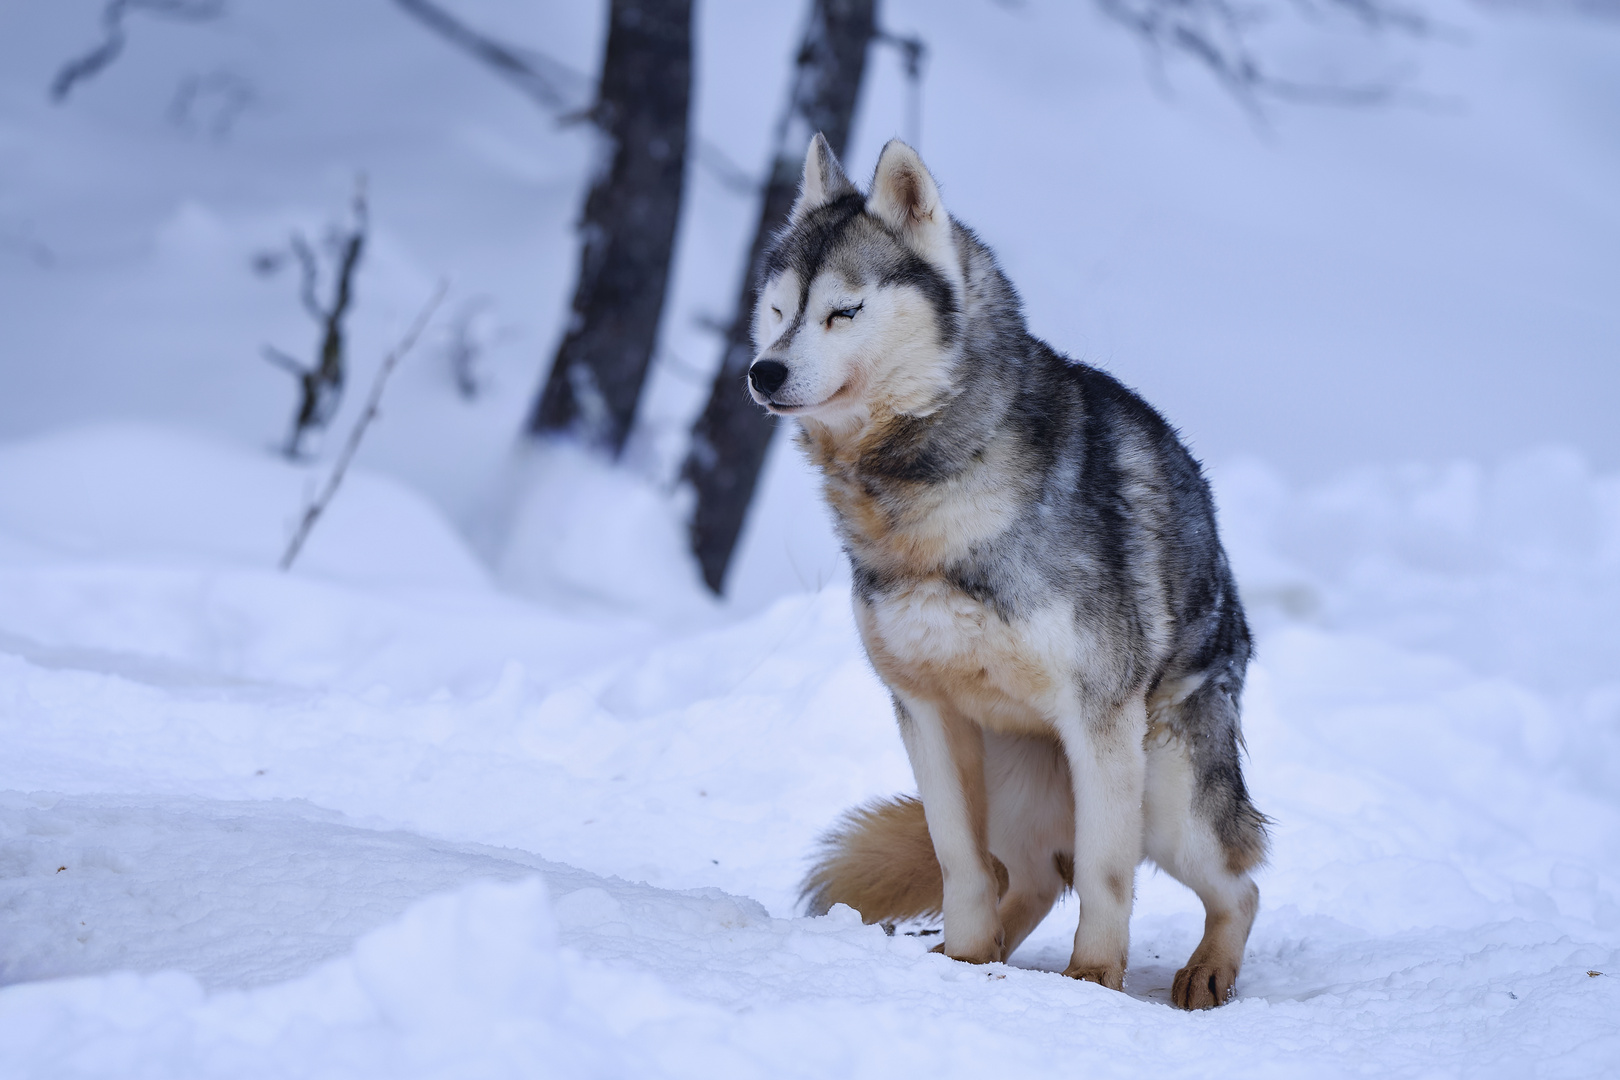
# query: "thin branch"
{"points": [[113, 37], [349, 245], [561, 89], [321, 383], [91, 63], [686, 373], [913, 54], [308, 272], [283, 361], [732, 176], [312, 512], [1215, 34], [913, 50], [1380, 15], [553, 84]]}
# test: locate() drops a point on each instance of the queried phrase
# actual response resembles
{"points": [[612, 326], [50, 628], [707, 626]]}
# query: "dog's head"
{"points": [[860, 299]]}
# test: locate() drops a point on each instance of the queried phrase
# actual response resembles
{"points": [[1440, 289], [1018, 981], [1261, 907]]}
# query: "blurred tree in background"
{"points": [[638, 106], [628, 228], [731, 436]]}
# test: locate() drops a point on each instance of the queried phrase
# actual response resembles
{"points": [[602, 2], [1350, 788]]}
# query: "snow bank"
{"points": [[474, 984], [583, 531], [123, 492], [467, 984], [223, 771]]}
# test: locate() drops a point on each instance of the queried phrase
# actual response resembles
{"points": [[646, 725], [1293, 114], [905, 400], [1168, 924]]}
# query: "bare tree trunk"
{"points": [[629, 225], [731, 437]]}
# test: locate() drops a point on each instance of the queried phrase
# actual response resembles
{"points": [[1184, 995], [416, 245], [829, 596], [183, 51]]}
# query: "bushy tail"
{"points": [[880, 861]]}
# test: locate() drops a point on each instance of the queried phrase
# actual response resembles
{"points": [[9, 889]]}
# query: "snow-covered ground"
{"points": [[220, 777], [486, 787]]}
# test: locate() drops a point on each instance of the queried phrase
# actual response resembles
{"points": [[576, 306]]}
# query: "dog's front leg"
{"points": [[1109, 768], [947, 758]]}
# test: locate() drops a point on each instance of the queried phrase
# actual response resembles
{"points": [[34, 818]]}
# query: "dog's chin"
{"points": [[781, 409]]}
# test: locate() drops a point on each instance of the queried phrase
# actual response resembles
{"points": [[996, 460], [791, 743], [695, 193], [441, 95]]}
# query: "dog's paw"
{"points": [[1111, 975], [991, 955], [1203, 986]]}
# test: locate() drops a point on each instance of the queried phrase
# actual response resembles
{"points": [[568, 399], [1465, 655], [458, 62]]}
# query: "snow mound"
{"points": [[1510, 567], [466, 984], [134, 492], [91, 884], [475, 982], [497, 980], [256, 779], [583, 530]]}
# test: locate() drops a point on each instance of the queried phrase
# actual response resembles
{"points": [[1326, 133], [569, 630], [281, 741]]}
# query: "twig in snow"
{"points": [[317, 506]]}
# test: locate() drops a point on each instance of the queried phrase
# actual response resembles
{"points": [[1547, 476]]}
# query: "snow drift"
{"points": [[232, 773]]}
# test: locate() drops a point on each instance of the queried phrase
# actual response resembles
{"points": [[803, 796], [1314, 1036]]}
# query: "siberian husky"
{"points": [[1037, 579]]}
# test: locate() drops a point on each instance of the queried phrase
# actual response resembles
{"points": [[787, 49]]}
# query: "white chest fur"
{"points": [[932, 641]]}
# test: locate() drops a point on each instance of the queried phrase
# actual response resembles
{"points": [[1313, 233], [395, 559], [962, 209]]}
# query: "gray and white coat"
{"points": [[1037, 579]]}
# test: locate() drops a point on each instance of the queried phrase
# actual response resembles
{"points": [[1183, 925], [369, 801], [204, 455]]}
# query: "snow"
{"points": [[487, 786], [253, 821]]}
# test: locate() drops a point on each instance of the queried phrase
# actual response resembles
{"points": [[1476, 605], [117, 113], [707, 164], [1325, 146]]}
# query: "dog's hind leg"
{"points": [[947, 758], [1203, 831], [1107, 767], [1031, 826]]}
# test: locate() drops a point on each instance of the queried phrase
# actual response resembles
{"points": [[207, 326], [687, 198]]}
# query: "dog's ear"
{"points": [[824, 179], [905, 197]]}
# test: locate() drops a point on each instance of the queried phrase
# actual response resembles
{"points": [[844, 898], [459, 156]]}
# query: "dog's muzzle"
{"points": [[767, 376]]}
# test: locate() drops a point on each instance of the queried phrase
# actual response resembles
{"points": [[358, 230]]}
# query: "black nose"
{"points": [[767, 376]]}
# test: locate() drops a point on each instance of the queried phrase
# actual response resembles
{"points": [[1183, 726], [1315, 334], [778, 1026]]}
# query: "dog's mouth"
{"points": [[781, 409]]}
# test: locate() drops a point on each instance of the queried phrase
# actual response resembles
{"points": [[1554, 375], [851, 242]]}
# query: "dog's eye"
{"points": [[776, 311], [844, 313]]}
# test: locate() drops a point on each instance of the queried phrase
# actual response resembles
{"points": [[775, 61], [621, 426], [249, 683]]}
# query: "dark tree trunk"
{"points": [[629, 225], [730, 439]]}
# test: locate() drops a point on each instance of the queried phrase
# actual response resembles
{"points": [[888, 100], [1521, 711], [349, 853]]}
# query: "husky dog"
{"points": [[1037, 579]]}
